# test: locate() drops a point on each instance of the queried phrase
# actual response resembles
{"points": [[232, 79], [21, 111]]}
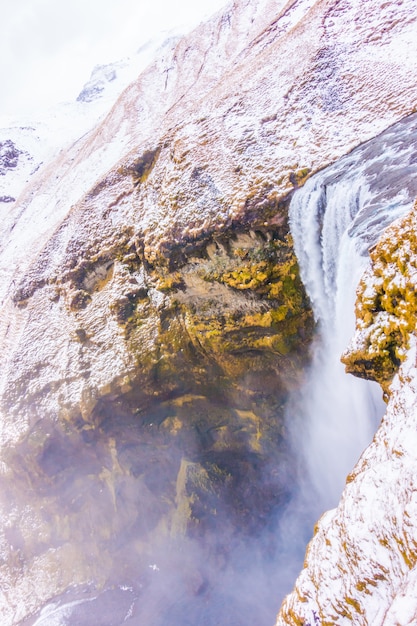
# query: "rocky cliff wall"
{"points": [[258, 116], [153, 321]]}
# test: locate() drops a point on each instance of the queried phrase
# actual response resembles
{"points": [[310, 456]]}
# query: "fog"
{"points": [[49, 49], [228, 560]]}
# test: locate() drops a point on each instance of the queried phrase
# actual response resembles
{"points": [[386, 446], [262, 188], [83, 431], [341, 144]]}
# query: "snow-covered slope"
{"points": [[209, 142], [28, 144]]}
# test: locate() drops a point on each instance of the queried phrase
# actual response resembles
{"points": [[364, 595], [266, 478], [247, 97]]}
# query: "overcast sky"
{"points": [[49, 47]]}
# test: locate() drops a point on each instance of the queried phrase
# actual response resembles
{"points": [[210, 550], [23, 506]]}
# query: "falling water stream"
{"points": [[335, 218]]}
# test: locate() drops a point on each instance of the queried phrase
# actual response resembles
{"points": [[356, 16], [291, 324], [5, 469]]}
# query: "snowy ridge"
{"points": [[35, 142]]}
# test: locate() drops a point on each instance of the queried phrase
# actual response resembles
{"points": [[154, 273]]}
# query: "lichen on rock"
{"points": [[386, 307], [185, 438]]}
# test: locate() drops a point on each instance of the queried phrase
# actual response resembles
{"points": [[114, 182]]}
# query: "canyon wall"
{"points": [[153, 321]]}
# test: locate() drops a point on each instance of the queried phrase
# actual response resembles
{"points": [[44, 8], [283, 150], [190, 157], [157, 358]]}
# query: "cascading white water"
{"points": [[334, 219], [341, 411]]}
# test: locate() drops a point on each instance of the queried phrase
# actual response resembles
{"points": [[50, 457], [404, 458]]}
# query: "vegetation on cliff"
{"points": [[386, 307], [220, 336]]}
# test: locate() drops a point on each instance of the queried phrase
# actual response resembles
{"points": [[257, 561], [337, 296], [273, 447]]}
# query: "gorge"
{"points": [[177, 289]]}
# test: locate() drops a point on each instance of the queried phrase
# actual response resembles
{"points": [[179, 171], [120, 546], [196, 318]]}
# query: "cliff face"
{"points": [[290, 98], [386, 307], [153, 320], [361, 564]]}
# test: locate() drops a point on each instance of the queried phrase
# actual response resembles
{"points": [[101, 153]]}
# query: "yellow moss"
{"points": [[258, 319], [386, 307], [275, 343], [169, 282], [271, 320], [251, 276], [279, 314]]}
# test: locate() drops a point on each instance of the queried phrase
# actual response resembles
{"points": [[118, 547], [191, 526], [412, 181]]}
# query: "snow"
{"points": [[54, 129]]}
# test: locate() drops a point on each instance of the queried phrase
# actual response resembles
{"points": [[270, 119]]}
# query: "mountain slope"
{"points": [[248, 136], [153, 321]]}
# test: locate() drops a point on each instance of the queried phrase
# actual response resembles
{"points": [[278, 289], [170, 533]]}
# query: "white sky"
{"points": [[49, 47]]}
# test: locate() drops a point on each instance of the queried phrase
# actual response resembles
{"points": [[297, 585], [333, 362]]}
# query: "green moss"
{"points": [[169, 282], [249, 314]]}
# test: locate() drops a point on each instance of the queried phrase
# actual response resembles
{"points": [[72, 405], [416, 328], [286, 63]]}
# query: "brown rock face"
{"points": [[190, 445]]}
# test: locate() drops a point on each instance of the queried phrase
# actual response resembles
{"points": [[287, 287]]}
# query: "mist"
{"points": [[49, 49], [226, 557]]}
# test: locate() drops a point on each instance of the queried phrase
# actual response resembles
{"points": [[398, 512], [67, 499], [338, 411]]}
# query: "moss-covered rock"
{"points": [[190, 442], [235, 305], [386, 307]]}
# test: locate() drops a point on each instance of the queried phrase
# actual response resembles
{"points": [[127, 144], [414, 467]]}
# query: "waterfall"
{"points": [[334, 219], [340, 411]]}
